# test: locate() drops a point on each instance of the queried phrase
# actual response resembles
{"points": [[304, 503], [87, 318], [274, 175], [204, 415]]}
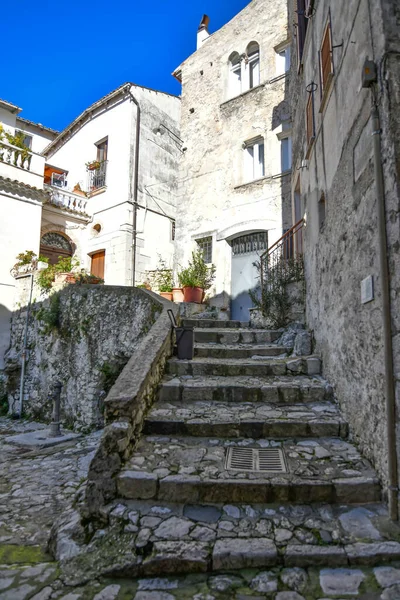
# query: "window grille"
{"points": [[205, 244], [252, 242]]}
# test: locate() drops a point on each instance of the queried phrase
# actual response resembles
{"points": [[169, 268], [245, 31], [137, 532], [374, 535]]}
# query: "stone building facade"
{"points": [[334, 188], [234, 178]]}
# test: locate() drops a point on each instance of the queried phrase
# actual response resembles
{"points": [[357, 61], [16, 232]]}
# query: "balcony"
{"points": [[97, 175], [21, 165], [67, 200]]}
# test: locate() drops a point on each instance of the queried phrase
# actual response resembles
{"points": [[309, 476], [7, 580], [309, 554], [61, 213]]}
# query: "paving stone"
{"points": [[289, 596], [372, 554], [264, 582], [295, 578], [391, 593], [5, 583], [173, 528], [44, 594], [157, 583], [137, 484], [341, 581], [387, 576], [309, 555], [108, 593], [19, 593], [243, 553], [154, 596], [223, 583], [207, 514], [357, 523]]}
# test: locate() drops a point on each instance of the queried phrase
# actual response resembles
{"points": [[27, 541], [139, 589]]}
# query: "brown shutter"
{"points": [[97, 266], [326, 54], [302, 23], [310, 124]]}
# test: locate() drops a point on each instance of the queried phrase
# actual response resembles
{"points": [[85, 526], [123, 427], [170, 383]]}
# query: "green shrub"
{"points": [[198, 273]]}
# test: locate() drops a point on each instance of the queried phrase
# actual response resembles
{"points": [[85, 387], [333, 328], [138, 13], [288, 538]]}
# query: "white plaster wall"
{"points": [[19, 231], [7, 119], [40, 137], [112, 208], [215, 197]]}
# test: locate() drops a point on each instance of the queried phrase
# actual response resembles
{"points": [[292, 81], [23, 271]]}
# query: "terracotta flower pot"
{"points": [[166, 295], [64, 278], [177, 294], [193, 294]]}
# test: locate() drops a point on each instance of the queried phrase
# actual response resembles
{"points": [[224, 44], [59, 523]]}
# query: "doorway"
{"points": [[53, 245], [246, 251], [97, 264]]}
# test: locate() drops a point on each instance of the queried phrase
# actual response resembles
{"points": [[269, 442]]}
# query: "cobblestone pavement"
{"points": [[38, 485]]}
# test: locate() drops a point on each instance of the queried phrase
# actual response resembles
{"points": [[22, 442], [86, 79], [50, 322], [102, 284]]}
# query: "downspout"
{"points": [[386, 316], [23, 353], [134, 201]]}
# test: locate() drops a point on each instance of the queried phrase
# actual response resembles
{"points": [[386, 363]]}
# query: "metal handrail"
{"points": [[289, 233]]}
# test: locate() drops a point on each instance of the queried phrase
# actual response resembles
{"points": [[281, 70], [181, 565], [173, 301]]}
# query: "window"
{"points": [[254, 159], [244, 70], [205, 244], [102, 148], [253, 58], [326, 58], [283, 61], [235, 75], [286, 154], [247, 244], [310, 119], [173, 229], [301, 28], [26, 139]]}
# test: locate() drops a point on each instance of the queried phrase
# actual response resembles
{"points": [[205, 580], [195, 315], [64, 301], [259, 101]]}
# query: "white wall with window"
{"points": [[254, 159], [282, 59], [244, 70]]}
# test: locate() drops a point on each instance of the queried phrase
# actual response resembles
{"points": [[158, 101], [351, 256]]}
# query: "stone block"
{"points": [[177, 557], [313, 365], [372, 554], [341, 582], [178, 488], [307, 555], [137, 485], [244, 553], [353, 490]]}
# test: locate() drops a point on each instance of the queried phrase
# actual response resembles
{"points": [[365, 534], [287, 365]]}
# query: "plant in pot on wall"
{"points": [[164, 280], [197, 278], [92, 165]]}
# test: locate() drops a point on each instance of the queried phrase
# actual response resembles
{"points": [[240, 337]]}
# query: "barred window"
{"points": [[205, 244], [252, 242]]}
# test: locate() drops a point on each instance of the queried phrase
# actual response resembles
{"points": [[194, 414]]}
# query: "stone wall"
{"points": [[342, 249], [82, 336]]}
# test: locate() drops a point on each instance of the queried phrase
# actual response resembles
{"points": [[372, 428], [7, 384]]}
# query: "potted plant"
{"points": [[177, 294], [92, 165], [164, 280], [85, 277], [196, 278]]}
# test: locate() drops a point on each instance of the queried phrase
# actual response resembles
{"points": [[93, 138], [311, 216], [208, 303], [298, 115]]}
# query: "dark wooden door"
{"points": [[97, 267]]}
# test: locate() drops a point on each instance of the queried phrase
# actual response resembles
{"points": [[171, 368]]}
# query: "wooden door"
{"points": [[97, 266]]}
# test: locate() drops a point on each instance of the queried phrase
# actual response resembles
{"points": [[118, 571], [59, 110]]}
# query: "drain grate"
{"points": [[265, 460]]}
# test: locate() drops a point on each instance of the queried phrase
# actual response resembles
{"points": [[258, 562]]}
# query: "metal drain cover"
{"points": [[265, 460]]}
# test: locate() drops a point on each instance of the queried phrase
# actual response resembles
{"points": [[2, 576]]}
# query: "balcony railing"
{"points": [[66, 200], [97, 177], [21, 164]]}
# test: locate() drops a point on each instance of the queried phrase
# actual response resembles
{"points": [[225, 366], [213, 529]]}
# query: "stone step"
{"points": [[189, 469], [275, 390], [214, 323], [170, 538], [211, 350], [236, 336], [245, 420], [263, 367]]}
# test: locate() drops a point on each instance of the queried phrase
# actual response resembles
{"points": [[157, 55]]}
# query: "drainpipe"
{"points": [[23, 353], [386, 316], [134, 202]]}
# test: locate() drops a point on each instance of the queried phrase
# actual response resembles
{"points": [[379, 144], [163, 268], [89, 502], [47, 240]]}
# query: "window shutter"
{"points": [[331, 42], [310, 119], [320, 72], [301, 28]]}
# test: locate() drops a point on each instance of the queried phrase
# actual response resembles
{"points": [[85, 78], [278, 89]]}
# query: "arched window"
{"points": [[53, 245], [253, 58], [235, 75]]}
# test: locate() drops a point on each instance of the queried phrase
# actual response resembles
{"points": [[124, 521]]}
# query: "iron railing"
{"points": [[97, 177], [281, 255]]}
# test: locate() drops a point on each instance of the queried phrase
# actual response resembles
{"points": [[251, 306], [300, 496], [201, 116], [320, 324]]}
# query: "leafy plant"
{"points": [[273, 299], [163, 278], [93, 164], [51, 316], [198, 273], [85, 277], [25, 258], [16, 139], [65, 264]]}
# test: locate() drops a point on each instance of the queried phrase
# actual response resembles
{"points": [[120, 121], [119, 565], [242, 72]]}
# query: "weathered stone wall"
{"points": [[344, 250], [82, 336], [125, 408], [216, 197]]}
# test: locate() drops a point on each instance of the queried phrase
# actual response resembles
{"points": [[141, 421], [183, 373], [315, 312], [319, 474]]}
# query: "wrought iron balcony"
{"points": [[97, 176]]}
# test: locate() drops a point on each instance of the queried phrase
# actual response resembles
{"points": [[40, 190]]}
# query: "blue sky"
{"points": [[62, 56]]}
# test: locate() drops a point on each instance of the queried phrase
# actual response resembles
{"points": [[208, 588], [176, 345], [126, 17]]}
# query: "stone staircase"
{"points": [[244, 463]]}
